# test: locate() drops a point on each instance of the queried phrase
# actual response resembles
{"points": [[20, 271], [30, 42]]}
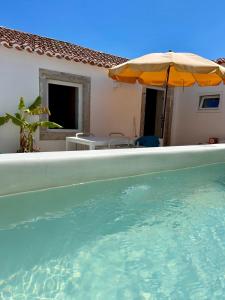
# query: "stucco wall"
{"points": [[191, 126], [113, 106]]}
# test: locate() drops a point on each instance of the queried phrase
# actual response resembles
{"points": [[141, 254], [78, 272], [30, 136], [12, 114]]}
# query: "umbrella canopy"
{"points": [[169, 69], [172, 69]]}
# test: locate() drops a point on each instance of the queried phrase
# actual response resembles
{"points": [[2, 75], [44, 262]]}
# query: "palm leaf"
{"points": [[46, 124], [49, 124], [18, 116], [17, 121], [40, 111], [21, 105], [35, 104], [3, 120]]}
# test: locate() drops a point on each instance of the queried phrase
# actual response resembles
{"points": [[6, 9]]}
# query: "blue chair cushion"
{"points": [[148, 141]]}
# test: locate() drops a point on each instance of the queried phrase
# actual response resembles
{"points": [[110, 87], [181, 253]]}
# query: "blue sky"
{"points": [[126, 28]]}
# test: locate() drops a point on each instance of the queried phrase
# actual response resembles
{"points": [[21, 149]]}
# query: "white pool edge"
{"points": [[24, 172]]}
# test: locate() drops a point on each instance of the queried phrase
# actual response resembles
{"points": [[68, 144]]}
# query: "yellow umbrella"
{"points": [[173, 69], [169, 69]]}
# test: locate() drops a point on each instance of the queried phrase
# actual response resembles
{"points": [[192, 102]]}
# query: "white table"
{"points": [[92, 141]]}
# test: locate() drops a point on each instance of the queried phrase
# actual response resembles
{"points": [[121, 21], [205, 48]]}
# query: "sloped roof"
{"points": [[53, 48], [220, 60]]}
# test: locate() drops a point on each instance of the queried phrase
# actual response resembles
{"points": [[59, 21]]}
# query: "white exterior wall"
{"points": [[113, 106], [191, 126]]}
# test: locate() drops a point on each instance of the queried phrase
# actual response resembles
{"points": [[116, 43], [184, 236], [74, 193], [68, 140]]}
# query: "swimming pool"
{"points": [[153, 236]]}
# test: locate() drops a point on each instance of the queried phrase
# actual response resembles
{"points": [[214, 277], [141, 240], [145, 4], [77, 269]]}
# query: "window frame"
{"points": [[46, 76], [201, 98], [80, 104]]}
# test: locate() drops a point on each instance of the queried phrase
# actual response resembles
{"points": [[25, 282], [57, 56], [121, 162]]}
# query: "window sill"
{"points": [[208, 111]]}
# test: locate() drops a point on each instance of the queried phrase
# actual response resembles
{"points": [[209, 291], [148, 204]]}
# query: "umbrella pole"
{"points": [[165, 102]]}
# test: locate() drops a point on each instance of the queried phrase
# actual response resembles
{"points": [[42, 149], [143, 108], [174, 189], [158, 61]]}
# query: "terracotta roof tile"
{"points": [[53, 48], [220, 60]]}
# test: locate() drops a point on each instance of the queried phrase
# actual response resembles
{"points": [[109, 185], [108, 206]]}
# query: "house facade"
{"points": [[73, 82]]}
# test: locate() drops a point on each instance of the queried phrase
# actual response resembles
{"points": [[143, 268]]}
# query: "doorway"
{"points": [[153, 112]]}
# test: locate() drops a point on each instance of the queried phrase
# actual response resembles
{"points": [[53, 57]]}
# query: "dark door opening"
{"points": [[153, 112], [150, 112]]}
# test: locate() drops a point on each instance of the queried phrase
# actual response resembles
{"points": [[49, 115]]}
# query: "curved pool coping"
{"points": [[24, 172]]}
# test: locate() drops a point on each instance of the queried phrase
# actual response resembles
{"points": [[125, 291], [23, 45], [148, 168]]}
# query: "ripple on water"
{"points": [[152, 237]]}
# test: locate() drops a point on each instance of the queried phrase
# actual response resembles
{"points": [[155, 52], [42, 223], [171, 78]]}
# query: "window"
{"points": [[210, 102], [64, 103], [68, 98]]}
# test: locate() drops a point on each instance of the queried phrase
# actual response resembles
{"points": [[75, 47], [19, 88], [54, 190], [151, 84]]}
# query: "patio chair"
{"points": [[147, 141], [79, 134], [119, 135]]}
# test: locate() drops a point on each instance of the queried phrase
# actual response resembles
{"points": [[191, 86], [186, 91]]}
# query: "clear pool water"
{"points": [[158, 236]]}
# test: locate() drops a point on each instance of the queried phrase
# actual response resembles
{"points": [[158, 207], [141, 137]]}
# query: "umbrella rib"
{"points": [[194, 78]]}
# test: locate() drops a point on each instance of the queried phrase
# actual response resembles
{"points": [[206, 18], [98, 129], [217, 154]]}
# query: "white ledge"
{"points": [[33, 171]]}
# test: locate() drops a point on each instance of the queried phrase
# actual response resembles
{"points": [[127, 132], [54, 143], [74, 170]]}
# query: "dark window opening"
{"points": [[63, 105], [209, 102]]}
